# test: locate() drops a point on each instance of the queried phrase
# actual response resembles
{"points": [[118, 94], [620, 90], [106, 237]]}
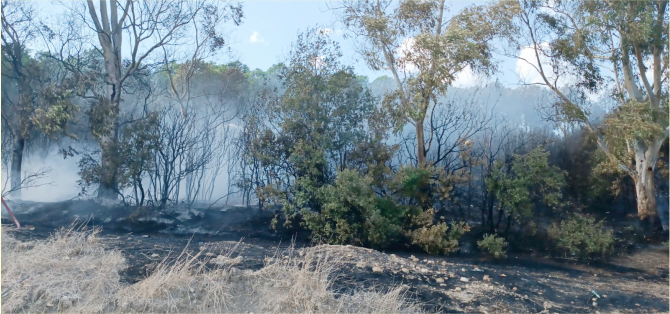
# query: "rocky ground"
{"points": [[632, 283]]}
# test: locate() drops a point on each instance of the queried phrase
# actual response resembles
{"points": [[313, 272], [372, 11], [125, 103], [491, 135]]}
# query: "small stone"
{"points": [[514, 289], [503, 275], [604, 296], [457, 289], [405, 270], [594, 299], [442, 285], [155, 255], [424, 270], [410, 277], [595, 303], [540, 293], [145, 236], [463, 270], [50, 304], [463, 279], [377, 269], [360, 265], [477, 269], [637, 304], [486, 278], [439, 280], [572, 302]]}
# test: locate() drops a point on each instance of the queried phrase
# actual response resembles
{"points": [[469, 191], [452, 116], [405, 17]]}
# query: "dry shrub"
{"points": [[69, 270], [72, 272]]}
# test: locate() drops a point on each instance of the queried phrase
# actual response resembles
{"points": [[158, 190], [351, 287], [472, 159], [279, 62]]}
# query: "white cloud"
{"points": [[468, 78], [257, 38], [325, 31]]}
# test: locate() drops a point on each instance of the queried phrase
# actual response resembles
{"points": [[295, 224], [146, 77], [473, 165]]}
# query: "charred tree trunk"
{"points": [[420, 147], [17, 160]]}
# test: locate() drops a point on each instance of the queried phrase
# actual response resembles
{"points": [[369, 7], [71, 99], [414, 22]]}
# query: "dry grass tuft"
{"points": [[72, 272]]}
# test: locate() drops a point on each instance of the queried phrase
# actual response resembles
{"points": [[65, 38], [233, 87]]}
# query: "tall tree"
{"points": [[17, 29], [421, 48], [150, 26], [34, 100], [584, 47]]}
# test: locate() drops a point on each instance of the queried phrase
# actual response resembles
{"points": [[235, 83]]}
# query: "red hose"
{"points": [[18, 225]]}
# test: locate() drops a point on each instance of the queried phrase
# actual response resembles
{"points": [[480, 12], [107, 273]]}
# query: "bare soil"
{"points": [[632, 282]]}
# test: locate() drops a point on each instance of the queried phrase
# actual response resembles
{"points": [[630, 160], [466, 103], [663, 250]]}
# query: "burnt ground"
{"points": [[632, 282]]}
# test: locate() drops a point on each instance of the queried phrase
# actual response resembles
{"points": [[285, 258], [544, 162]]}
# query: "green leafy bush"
{"points": [[439, 238], [581, 236], [352, 213], [493, 245]]}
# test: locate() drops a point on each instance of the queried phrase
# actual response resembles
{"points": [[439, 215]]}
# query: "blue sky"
{"points": [[269, 28]]}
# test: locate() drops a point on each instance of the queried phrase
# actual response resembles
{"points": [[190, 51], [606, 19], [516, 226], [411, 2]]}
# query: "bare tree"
{"points": [[149, 25]]}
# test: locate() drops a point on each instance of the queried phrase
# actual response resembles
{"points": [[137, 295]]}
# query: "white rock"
{"points": [[463, 279], [155, 255], [377, 269], [439, 280]]}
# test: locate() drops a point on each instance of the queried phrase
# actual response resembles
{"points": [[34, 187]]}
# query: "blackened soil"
{"points": [[632, 283]]}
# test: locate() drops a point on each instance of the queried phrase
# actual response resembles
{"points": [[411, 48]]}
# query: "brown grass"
{"points": [[72, 272]]}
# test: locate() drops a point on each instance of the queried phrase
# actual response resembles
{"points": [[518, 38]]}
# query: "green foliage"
{"points": [[351, 212], [582, 236], [324, 121], [494, 245], [528, 181]]}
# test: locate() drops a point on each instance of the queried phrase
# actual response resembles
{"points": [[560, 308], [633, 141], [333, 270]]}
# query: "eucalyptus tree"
{"points": [[131, 37], [35, 101], [581, 48], [422, 48]]}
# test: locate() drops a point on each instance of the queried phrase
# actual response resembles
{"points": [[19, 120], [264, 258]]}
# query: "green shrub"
{"points": [[581, 236], [434, 238], [494, 245], [352, 213]]}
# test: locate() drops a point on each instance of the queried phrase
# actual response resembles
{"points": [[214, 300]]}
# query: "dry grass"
{"points": [[72, 272]]}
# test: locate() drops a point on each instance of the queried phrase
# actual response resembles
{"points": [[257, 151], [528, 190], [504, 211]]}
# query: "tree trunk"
{"points": [[17, 159], [109, 184], [421, 151], [645, 189]]}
